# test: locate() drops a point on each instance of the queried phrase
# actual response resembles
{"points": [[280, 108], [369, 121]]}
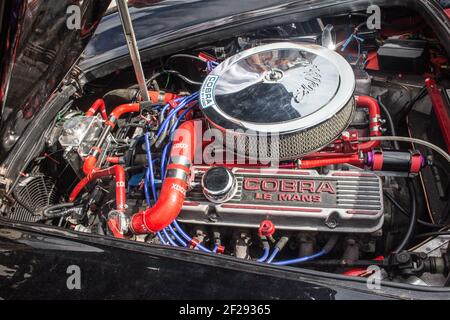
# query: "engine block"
{"points": [[340, 201]]}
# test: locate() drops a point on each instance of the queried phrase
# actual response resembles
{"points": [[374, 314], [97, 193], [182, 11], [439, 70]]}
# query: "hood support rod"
{"points": [[128, 30]]}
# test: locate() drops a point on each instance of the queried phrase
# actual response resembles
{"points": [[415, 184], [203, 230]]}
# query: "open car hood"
{"points": [[40, 42]]}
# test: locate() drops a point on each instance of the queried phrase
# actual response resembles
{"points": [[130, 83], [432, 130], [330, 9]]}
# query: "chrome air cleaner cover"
{"points": [[298, 96]]}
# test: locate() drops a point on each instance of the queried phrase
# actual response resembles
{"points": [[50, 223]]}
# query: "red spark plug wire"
{"points": [[173, 190]]}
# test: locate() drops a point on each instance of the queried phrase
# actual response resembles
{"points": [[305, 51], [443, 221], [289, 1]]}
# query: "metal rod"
{"points": [[128, 30]]}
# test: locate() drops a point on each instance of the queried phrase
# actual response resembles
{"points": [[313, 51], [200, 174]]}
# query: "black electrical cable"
{"points": [[56, 211], [390, 121], [359, 26], [406, 213], [156, 85], [164, 133], [184, 78], [129, 154], [176, 73], [412, 220], [47, 211], [184, 56]]}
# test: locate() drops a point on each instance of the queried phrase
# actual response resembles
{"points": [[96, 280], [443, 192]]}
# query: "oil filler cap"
{"points": [[219, 184]]}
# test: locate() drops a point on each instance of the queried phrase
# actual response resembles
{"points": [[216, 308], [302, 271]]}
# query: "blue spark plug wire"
{"points": [[298, 260], [177, 237], [164, 160], [177, 122], [149, 177], [161, 239], [265, 255], [185, 101], [273, 255], [188, 238], [172, 243]]}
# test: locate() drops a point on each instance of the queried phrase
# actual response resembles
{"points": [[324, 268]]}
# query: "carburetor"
{"points": [[77, 137]]}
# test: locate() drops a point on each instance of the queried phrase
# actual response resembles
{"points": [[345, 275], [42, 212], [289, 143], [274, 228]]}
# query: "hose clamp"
{"points": [[181, 160]]}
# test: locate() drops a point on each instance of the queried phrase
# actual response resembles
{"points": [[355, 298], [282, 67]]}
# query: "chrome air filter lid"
{"points": [[303, 93]]}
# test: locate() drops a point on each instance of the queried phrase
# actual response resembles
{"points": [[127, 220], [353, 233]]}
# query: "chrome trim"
{"points": [[220, 196], [181, 160], [127, 25], [177, 174], [343, 95]]}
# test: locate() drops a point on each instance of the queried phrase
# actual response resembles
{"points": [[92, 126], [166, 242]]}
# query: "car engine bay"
{"points": [[321, 144]]}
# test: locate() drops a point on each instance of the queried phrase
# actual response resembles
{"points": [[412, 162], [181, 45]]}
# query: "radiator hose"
{"points": [[374, 121], [91, 160], [117, 171], [98, 104], [173, 190]]}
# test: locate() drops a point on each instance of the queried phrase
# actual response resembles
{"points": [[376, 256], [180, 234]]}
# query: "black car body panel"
{"points": [[38, 50], [35, 259], [159, 28]]}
